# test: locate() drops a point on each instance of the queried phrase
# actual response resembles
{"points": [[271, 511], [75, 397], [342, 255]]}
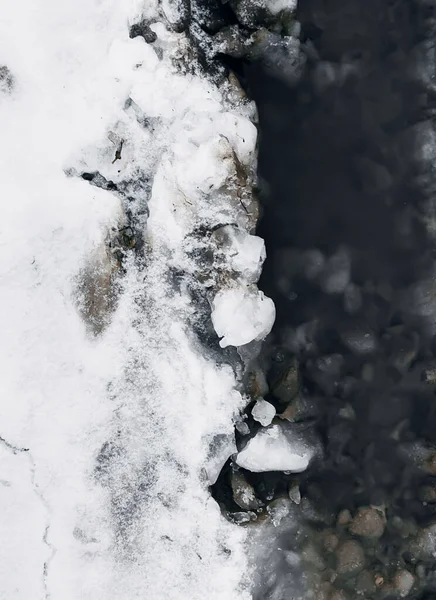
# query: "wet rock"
{"points": [[404, 351], [375, 178], [421, 455], [427, 493], [286, 386], [330, 541], [423, 547], [257, 385], [294, 492], [301, 408], [242, 518], [338, 595], [365, 584], [359, 339], [429, 375], [350, 558], [278, 510], [403, 582], [263, 412], [313, 263], [243, 492], [344, 517], [311, 557], [352, 299], [142, 29], [336, 274], [369, 523], [326, 372]]}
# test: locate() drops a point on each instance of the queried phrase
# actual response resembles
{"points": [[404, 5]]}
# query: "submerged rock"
{"points": [[286, 386], [369, 522], [350, 558]]}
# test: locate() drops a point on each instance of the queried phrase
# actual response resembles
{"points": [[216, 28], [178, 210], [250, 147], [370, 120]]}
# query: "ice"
{"points": [[113, 504], [275, 449], [264, 412], [276, 6], [241, 315]]}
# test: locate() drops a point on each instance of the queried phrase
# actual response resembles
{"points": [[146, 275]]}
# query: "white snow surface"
{"points": [[275, 449], [139, 402]]}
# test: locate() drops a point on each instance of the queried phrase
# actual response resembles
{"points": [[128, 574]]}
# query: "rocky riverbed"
{"points": [[336, 451]]}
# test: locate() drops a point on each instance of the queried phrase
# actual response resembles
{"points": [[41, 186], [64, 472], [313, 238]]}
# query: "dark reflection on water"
{"points": [[347, 157]]}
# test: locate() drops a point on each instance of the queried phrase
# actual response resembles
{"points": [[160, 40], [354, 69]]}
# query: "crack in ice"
{"points": [[21, 450]]}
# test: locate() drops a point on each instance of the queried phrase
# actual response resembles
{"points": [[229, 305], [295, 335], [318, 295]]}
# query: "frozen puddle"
{"points": [[109, 406]]}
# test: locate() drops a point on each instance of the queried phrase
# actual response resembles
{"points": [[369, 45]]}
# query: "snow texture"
{"points": [[275, 449], [105, 440]]}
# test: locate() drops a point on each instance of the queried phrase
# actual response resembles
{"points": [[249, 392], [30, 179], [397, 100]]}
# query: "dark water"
{"points": [[347, 159], [347, 165]]}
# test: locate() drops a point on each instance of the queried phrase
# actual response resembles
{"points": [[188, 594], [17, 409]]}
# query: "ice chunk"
{"points": [[241, 315], [276, 448], [264, 412]]}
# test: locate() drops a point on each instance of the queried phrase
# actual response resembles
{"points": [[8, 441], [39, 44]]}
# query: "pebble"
{"points": [[331, 541], [278, 510], [294, 492], [287, 385], [326, 371], [352, 299], [369, 522], [365, 583], [359, 340], [344, 517], [243, 492], [403, 582], [336, 273], [350, 558], [427, 493], [429, 375]]}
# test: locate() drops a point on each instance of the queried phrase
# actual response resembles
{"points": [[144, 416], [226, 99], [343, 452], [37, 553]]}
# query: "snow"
{"points": [[240, 316], [264, 412], [106, 498], [275, 449]]}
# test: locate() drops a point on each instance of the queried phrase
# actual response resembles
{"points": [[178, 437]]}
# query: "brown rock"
{"points": [[350, 558], [331, 542], [369, 522], [243, 492], [365, 583], [344, 517], [403, 582], [287, 385]]}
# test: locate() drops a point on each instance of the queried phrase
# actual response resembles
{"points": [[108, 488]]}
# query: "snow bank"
{"points": [[119, 426]]}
